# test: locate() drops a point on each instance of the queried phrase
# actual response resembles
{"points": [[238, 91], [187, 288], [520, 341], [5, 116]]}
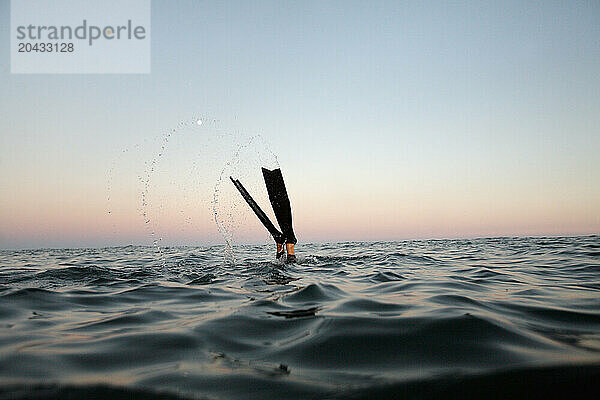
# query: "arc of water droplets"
{"points": [[149, 171], [147, 174], [228, 235], [109, 183]]}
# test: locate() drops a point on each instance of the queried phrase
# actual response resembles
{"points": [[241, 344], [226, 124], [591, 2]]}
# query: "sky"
{"points": [[390, 120]]}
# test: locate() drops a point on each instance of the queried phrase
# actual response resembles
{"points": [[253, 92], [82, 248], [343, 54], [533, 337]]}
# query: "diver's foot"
{"points": [[291, 258], [279, 251]]}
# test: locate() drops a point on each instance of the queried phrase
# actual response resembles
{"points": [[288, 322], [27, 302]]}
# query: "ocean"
{"points": [[479, 318]]}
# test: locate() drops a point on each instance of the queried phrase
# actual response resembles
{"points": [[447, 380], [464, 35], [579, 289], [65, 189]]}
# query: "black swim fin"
{"points": [[280, 202], [278, 236]]}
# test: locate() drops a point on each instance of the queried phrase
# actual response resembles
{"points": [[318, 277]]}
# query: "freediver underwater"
{"points": [[280, 203]]}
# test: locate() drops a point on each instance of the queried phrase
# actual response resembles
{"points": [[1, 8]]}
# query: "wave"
{"points": [[502, 317]]}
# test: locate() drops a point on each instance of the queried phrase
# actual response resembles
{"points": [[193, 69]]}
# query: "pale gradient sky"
{"points": [[391, 120]]}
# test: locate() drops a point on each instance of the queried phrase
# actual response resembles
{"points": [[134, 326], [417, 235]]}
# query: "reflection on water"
{"points": [[358, 320]]}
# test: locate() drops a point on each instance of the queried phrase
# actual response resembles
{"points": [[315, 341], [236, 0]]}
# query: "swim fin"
{"points": [[278, 236], [280, 202]]}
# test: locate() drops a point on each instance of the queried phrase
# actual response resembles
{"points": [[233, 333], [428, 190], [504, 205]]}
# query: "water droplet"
{"points": [[199, 122]]}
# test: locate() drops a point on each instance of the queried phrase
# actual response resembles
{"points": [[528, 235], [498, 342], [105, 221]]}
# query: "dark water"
{"points": [[493, 318]]}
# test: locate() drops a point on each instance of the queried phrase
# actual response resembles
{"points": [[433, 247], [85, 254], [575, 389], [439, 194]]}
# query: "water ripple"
{"points": [[429, 319]]}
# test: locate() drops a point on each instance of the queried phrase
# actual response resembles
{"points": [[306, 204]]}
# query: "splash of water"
{"points": [[187, 164], [244, 164]]}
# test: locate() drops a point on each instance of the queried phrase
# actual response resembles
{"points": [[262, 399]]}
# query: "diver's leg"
{"points": [[280, 203], [281, 206], [291, 257], [279, 250], [289, 248]]}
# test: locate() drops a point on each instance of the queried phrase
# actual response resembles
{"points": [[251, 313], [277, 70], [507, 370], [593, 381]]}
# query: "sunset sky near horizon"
{"points": [[391, 120]]}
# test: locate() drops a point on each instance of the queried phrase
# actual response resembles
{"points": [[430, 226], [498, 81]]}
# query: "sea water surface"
{"points": [[494, 318]]}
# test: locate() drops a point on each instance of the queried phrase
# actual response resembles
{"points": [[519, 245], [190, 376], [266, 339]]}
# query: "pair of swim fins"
{"points": [[279, 201]]}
